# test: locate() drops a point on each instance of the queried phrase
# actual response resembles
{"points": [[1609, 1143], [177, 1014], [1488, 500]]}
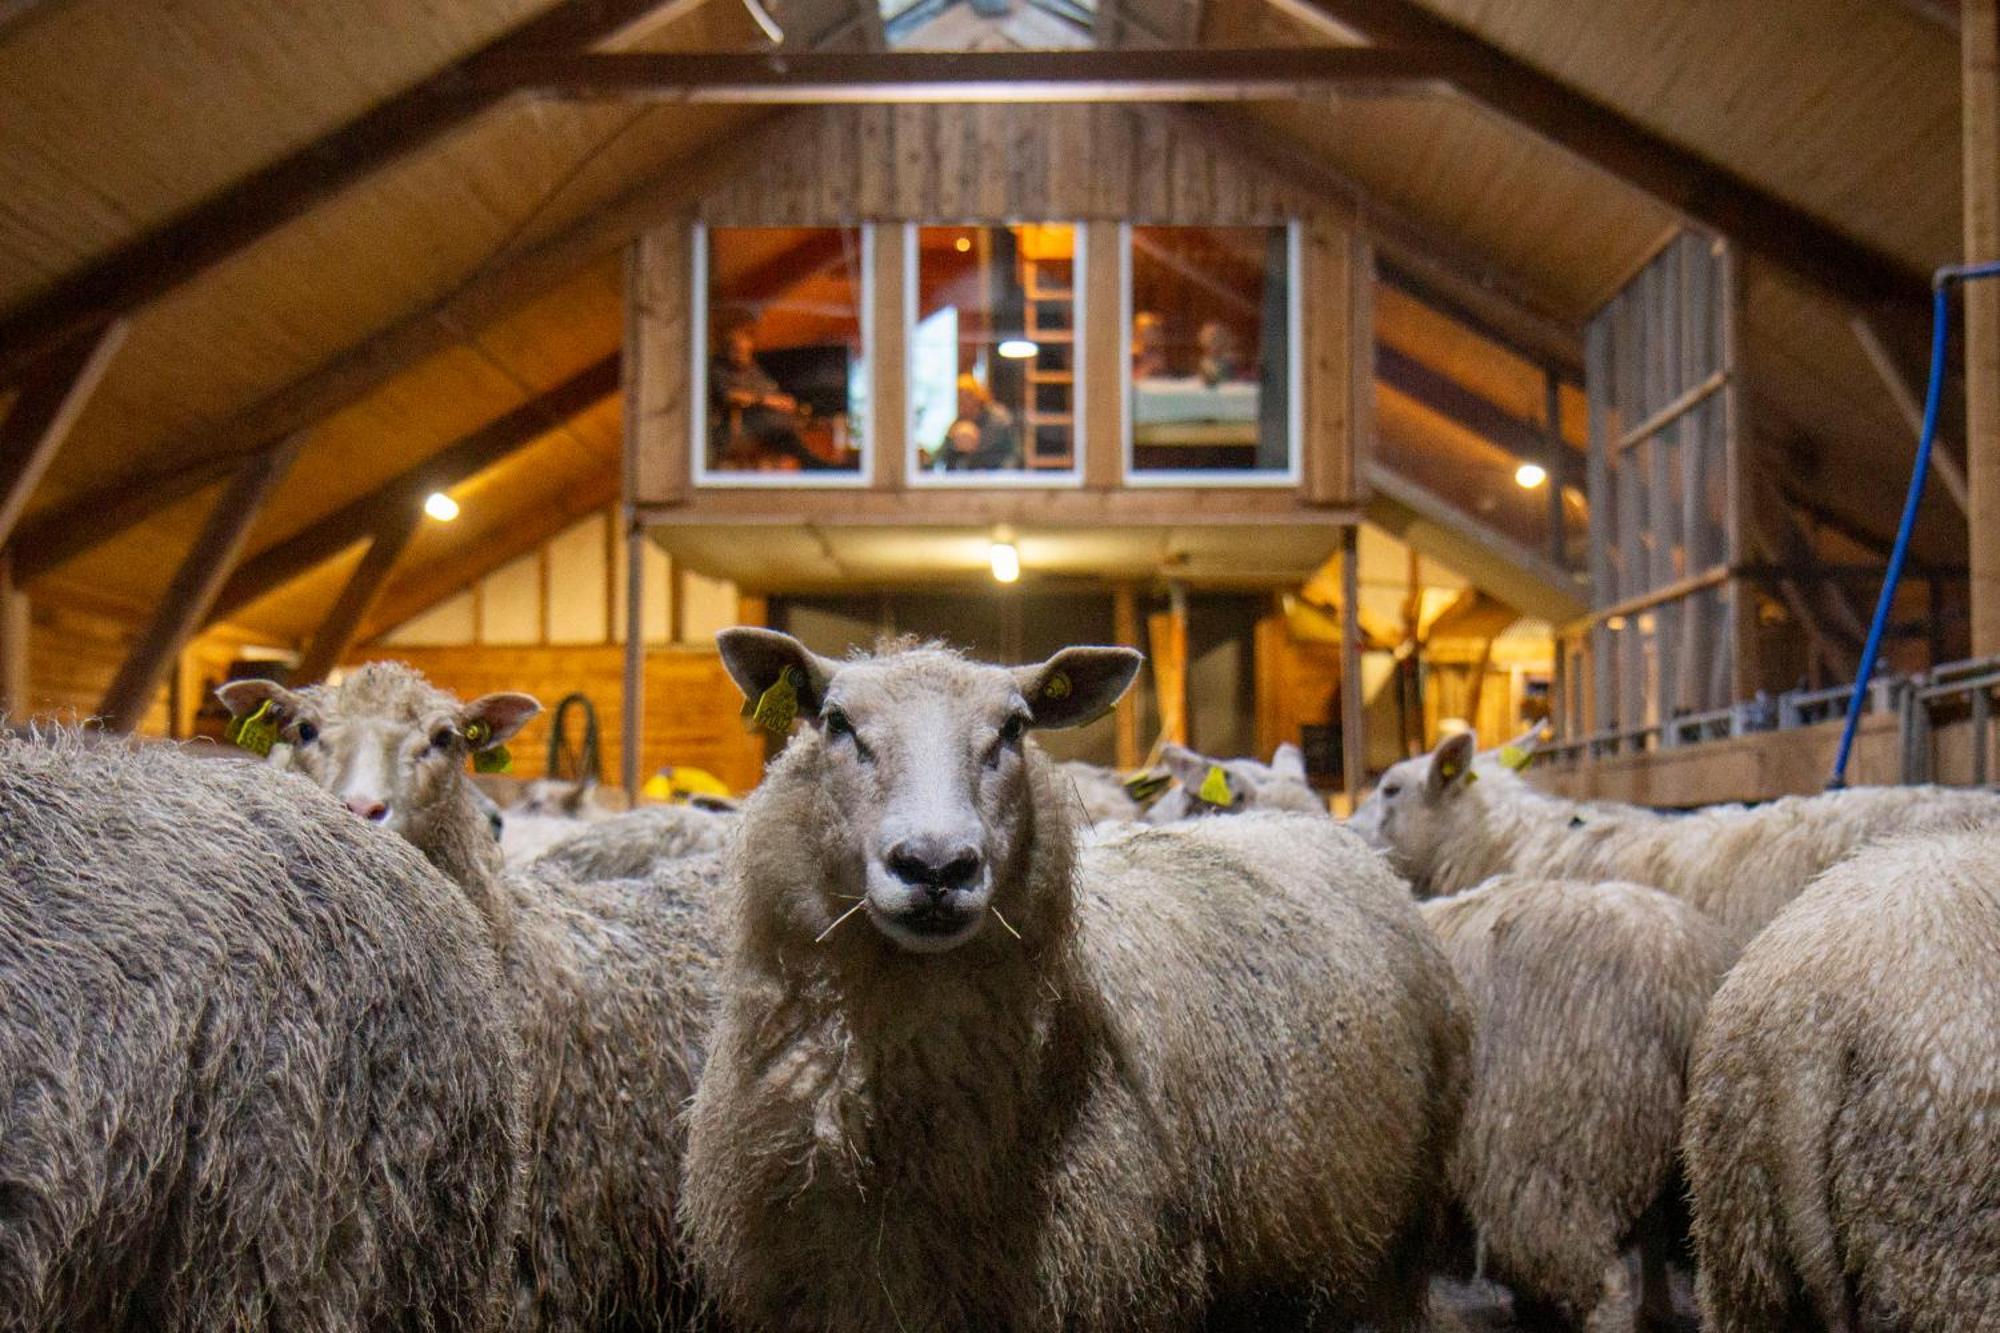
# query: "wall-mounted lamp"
{"points": [[1006, 560], [1530, 475]]}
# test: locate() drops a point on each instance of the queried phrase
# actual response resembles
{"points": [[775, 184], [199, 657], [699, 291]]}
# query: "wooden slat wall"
{"points": [[691, 704]]}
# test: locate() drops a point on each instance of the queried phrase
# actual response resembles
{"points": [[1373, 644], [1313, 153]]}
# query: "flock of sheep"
{"points": [[936, 1034]]}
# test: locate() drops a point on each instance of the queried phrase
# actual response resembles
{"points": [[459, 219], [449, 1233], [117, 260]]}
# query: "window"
{"points": [[994, 357], [1212, 381], [779, 354]]}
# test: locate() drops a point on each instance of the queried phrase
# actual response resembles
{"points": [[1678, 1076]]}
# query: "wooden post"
{"points": [[1558, 458], [52, 394], [357, 600], [1168, 633], [1353, 740], [1979, 29], [632, 714], [1125, 631], [14, 631], [184, 605]]}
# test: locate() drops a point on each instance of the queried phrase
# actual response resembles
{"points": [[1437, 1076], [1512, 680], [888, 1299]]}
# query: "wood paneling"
{"points": [[691, 706], [658, 331]]}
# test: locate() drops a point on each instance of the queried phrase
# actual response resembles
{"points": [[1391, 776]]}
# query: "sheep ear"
{"points": [[1189, 769], [1451, 763], [1077, 685], [1289, 762], [244, 697], [501, 714], [757, 658]]}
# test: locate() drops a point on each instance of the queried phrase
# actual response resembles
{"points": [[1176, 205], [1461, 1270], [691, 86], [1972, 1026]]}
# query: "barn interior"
{"points": [[1382, 368]]}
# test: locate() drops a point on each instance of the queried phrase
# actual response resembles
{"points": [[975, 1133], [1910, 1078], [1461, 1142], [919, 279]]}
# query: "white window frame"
{"points": [[1293, 471], [724, 479], [919, 477]]}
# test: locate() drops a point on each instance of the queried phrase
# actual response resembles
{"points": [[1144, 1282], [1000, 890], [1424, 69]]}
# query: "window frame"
{"points": [[1292, 474], [914, 473], [703, 476]]}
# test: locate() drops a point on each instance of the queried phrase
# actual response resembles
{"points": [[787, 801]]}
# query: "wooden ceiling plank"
{"points": [[53, 394], [403, 493], [358, 598], [95, 517], [184, 606], [1778, 232]]}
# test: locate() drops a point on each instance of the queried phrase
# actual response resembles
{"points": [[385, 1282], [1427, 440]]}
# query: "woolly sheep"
{"points": [[1586, 999], [548, 811], [631, 845], [611, 983], [254, 1067], [1278, 785], [1209, 1070], [1843, 1126], [1738, 864], [1100, 791]]}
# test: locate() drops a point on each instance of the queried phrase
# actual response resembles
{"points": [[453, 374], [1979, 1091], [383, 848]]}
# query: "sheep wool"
{"points": [[1206, 1072], [1843, 1125], [630, 845], [255, 1069], [1586, 1000]]}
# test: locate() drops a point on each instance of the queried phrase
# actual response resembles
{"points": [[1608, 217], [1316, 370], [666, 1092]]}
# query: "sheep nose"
{"points": [[935, 864], [368, 808]]}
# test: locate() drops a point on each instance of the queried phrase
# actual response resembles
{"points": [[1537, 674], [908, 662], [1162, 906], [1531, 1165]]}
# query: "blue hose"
{"points": [[1940, 336]]}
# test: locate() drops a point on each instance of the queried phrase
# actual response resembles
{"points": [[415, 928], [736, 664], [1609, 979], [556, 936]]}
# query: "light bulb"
{"points": [[1530, 475], [1006, 561], [441, 506], [1017, 349]]}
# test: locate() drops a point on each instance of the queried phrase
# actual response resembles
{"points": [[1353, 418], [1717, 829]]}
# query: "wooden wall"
{"points": [[692, 707], [75, 651]]}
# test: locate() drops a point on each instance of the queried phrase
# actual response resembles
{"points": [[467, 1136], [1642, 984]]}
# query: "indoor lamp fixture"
{"points": [[441, 506]]}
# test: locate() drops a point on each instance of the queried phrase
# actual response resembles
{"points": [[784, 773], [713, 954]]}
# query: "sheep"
{"points": [[1586, 1000], [610, 984], [1208, 1070], [630, 845], [1738, 864], [254, 1072], [1102, 794], [1244, 785], [1843, 1124], [548, 811]]}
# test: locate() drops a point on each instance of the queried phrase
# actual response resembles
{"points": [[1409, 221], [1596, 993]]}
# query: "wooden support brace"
{"points": [[14, 631], [358, 598], [1945, 467], [52, 394]]}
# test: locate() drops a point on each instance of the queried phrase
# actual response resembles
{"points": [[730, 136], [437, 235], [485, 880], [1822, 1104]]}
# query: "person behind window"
{"points": [[748, 405], [1149, 346], [1221, 355], [982, 439]]}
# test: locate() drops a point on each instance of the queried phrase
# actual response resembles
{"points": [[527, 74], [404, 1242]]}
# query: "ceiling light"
{"points": [[1006, 560], [1017, 349], [1615, 623], [441, 506], [962, 244], [1530, 475]]}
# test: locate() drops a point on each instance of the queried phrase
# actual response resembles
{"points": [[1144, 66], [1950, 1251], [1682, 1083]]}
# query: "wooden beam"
{"points": [[363, 590], [403, 493], [77, 526], [52, 394], [1980, 61], [14, 632], [792, 78], [1353, 710], [1481, 415], [184, 605], [1125, 717], [1777, 232], [217, 227], [1943, 466]]}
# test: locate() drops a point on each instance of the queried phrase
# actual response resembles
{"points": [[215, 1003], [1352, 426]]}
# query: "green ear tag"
{"points": [[778, 706], [1514, 757], [1143, 786], [1215, 787], [493, 759], [256, 733], [1056, 686]]}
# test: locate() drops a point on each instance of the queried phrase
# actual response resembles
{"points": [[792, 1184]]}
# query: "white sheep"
{"points": [[1205, 786], [969, 1075]]}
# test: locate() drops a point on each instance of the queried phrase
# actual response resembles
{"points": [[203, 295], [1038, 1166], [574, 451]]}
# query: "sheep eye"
{"points": [[307, 733], [442, 738], [1392, 789], [1013, 729], [837, 723]]}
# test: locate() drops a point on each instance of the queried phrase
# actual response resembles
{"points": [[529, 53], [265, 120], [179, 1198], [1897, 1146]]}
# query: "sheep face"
{"points": [[1416, 808], [923, 766], [384, 740], [1248, 785]]}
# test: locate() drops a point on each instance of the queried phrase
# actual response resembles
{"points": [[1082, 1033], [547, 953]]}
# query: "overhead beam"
{"points": [[51, 398], [1775, 231], [86, 522], [1943, 466], [351, 375], [1481, 415], [184, 605], [217, 227], [404, 493], [357, 599], [809, 78]]}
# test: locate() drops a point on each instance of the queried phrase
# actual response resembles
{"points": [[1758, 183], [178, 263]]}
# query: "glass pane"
{"points": [[787, 386], [993, 355], [1210, 356]]}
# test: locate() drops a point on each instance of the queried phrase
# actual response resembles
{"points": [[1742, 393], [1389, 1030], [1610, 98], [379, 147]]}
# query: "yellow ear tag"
{"points": [[1215, 786], [256, 733], [1056, 686], [1514, 757], [493, 759], [1143, 786], [778, 706]]}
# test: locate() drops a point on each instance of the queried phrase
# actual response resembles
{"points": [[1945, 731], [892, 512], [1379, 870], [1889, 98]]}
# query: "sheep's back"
{"points": [[630, 845], [254, 1066], [1842, 1117], [1299, 1030]]}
